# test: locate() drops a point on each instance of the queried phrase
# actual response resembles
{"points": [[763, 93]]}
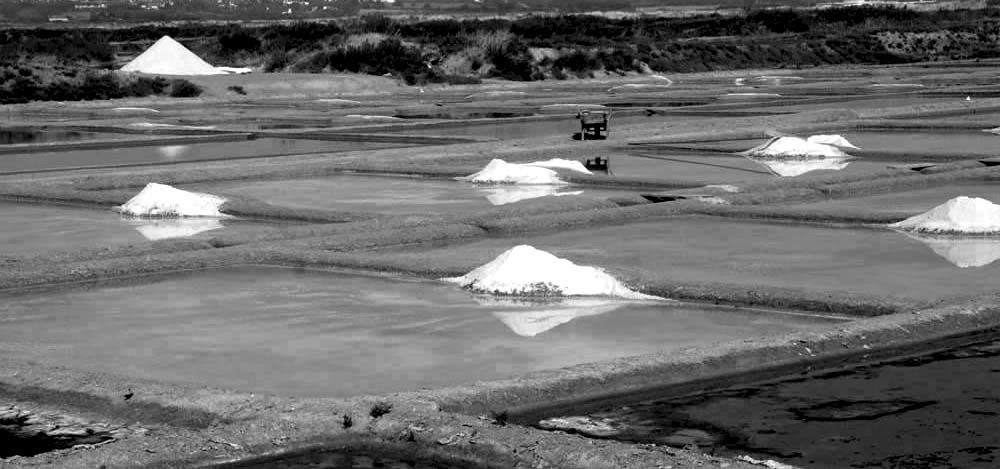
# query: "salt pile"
{"points": [[155, 230], [160, 200], [993, 130], [501, 172], [815, 146], [559, 163], [169, 57], [526, 271], [962, 251], [969, 215], [508, 194]]}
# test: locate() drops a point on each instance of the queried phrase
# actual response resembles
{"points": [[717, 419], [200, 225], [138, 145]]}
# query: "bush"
{"points": [[181, 88], [237, 89], [145, 86]]}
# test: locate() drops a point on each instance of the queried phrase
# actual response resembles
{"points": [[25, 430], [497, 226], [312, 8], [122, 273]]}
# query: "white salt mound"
{"points": [[169, 57], [501, 172], [794, 146], [834, 140], [160, 200], [526, 271], [959, 215], [995, 130], [559, 163]]}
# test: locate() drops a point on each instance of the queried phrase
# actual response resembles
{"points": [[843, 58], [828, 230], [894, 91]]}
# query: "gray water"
{"points": [[314, 333]]}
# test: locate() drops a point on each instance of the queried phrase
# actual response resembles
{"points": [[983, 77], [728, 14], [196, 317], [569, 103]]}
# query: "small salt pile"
{"points": [[161, 200], [961, 215], [833, 140], [559, 163], [526, 271], [501, 172]]}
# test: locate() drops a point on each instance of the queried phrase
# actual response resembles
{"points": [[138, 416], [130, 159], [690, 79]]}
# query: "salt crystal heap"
{"points": [[160, 200], [526, 271], [793, 156], [961, 215], [540, 172], [169, 57]]}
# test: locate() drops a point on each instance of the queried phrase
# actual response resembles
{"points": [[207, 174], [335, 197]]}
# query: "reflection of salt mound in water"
{"points": [[160, 200], [962, 251], [815, 146], [638, 87], [508, 194], [172, 151], [559, 163], [495, 94], [155, 230], [501, 172], [134, 109], [798, 166], [959, 215], [530, 318], [526, 271]]}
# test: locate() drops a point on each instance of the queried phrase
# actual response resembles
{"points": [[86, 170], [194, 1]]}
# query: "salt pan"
{"points": [[526, 271], [959, 215], [160, 200]]}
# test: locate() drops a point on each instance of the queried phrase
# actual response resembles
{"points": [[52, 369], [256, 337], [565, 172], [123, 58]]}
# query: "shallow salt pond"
{"points": [[936, 410], [36, 228], [915, 201], [165, 154], [21, 136], [396, 195], [316, 333], [812, 258]]}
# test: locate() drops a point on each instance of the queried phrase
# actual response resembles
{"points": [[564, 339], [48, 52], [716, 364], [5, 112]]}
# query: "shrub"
{"points": [[237, 89], [181, 88]]}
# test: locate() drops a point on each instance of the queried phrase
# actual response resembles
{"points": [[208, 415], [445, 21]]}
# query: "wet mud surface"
{"points": [[938, 410]]}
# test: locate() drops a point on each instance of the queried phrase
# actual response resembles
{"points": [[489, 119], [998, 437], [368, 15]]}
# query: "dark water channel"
{"points": [[18, 136], [939, 410]]}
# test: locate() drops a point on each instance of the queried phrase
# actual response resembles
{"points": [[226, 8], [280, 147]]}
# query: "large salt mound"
{"points": [[160, 200], [559, 163], [501, 172], [959, 215], [797, 147], [526, 271], [963, 251], [169, 57]]}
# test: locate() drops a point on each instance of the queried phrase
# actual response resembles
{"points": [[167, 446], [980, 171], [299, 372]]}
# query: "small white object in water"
{"points": [[962, 214], [161, 200], [501, 172], [526, 271]]}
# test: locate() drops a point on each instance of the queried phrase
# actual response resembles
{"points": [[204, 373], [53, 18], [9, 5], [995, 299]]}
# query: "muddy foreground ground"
{"points": [[153, 423]]}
